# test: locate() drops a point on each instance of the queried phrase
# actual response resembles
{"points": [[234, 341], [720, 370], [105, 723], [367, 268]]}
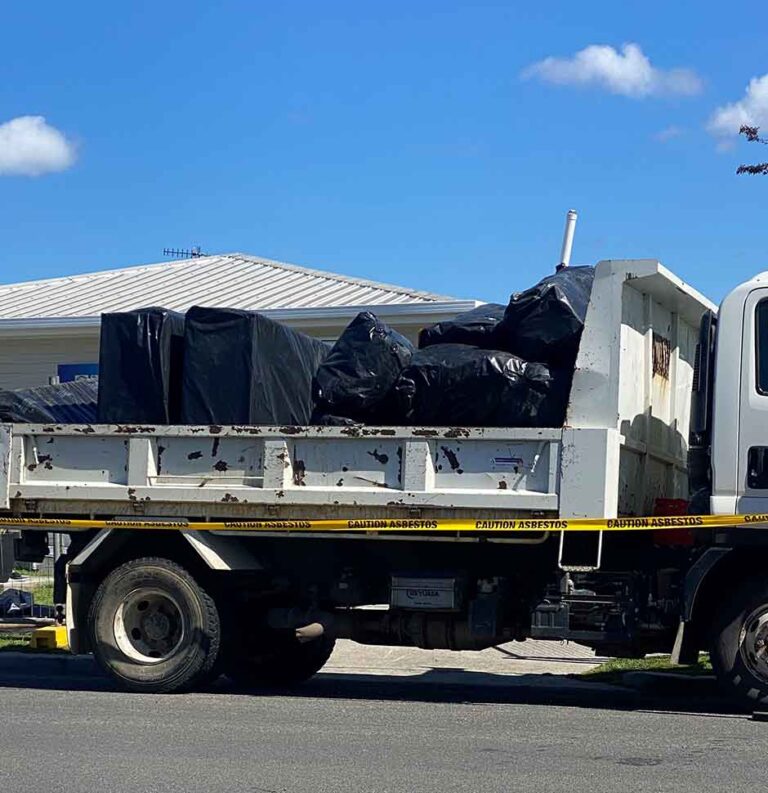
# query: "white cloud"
{"points": [[751, 109], [30, 147], [668, 133], [629, 72]]}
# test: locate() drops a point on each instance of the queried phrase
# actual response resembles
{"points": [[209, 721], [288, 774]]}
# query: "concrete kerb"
{"points": [[22, 667], [46, 664], [631, 690], [498, 666], [671, 684], [62, 664]]}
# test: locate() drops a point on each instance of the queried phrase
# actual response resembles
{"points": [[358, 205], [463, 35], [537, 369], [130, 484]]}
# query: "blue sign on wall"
{"points": [[77, 371]]}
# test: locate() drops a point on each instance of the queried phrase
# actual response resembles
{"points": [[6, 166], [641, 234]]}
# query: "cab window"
{"points": [[761, 324]]}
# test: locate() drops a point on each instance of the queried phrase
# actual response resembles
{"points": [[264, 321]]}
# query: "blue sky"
{"points": [[401, 141]]}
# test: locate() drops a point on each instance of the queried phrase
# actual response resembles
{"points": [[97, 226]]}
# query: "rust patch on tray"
{"points": [[457, 432], [662, 353], [453, 459], [299, 472], [130, 429]]}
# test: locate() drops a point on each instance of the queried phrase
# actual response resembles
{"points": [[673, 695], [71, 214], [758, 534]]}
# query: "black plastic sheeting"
{"points": [[140, 366], [241, 367], [545, 322], [356, 380], [64, 403], [478, 328], [454, 384]]}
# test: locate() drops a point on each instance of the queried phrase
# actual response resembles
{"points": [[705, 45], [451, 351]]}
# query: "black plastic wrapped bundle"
{"points": [[64, 403], [241, 367], [140, 367], [478, 328], [454, 384], [356, 380], [545, 322]]}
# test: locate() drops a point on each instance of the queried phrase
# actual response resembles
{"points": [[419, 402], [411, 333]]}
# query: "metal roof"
{"points": [[236, 280]]}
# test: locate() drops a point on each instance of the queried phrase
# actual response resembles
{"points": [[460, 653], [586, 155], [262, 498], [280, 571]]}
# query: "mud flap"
{"points": [[686, 647]]}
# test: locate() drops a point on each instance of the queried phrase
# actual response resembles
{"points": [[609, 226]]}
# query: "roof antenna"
{"points": [[182, 253], [570, 228]]}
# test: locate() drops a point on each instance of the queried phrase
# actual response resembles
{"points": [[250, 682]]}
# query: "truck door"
{"points": [[752, 482]]}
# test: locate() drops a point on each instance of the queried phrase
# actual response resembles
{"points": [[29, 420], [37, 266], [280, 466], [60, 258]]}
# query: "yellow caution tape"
{"points": [[396, 525]]}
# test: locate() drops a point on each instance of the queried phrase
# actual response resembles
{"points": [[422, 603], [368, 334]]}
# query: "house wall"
{"points": [[31, 361]]}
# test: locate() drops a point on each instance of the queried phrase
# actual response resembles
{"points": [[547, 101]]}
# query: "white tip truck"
{"points": [[250, 550]]}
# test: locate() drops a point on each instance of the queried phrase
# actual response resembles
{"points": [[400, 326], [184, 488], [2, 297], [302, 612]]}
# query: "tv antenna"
{"points": [[183, 253]]}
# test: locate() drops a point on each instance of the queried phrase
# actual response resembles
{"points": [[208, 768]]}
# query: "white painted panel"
{"points": [[86, 459], [634, 375], [350, 463], [502, 466], [209, 460]]}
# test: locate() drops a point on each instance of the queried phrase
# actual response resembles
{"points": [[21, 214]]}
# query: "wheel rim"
{"points": [[753, 643], [149, 626]]}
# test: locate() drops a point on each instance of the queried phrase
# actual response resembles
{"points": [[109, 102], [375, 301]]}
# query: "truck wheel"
{"points": [[153, 628], [287, 663], [739, 649]]}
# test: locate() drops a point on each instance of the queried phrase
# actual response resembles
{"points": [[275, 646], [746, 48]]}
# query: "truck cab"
{"points": [[739, 414]]}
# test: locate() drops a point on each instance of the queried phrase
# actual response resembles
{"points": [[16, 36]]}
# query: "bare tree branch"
{"points": [[753, 170], [752, 134]]}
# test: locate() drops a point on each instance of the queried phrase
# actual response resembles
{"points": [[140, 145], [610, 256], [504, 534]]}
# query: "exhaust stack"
{"points": [[570, 228]]}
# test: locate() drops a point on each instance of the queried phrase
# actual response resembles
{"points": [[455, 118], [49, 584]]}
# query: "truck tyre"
{"points": [[739, 647], [154, 629], [288, 662]]}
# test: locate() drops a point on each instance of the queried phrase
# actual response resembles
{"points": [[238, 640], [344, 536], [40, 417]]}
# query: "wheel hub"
{"points": [[156, 627], [753, 643], [149, 626]]}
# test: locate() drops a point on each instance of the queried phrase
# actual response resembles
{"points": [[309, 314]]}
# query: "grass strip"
{"points": [[612, 671]]}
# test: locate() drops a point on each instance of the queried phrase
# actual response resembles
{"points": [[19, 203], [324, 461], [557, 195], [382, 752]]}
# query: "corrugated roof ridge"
{"points": [[348, 279], [68, 279], [309, 271]]}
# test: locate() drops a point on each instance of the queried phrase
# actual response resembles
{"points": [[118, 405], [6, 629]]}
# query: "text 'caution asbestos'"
{"points": [[398, 525]]}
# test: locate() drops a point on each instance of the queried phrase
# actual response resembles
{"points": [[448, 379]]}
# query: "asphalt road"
{"points": [[346, 738]]}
